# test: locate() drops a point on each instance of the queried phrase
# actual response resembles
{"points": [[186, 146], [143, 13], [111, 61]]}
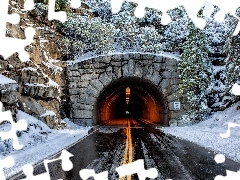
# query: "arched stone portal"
{"points": [[97, 88], [145, 102]]}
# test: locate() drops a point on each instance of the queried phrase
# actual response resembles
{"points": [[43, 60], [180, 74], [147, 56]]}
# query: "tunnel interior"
{"points": [[131, 98]]}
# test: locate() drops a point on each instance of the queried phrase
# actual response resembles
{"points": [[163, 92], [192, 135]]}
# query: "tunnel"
{"points": [[131, 98]]}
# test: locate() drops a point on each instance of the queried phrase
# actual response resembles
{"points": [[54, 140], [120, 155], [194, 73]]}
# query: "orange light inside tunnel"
{"points": [[127, 94]]}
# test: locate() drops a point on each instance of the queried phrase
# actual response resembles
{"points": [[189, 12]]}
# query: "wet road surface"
{"points": [[128, 140]]}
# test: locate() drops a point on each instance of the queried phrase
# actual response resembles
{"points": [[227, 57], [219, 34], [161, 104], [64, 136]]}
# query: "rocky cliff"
{"points": [[40, 82]]}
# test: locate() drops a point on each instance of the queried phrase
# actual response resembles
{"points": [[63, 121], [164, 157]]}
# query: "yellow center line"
{"points": [[128, 158]]}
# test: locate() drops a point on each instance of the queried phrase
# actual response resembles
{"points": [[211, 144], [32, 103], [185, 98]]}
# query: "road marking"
{"points": [[128, 155]]}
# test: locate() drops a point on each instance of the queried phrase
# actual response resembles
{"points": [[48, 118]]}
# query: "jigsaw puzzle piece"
{"points": [[75, 4], [138, 168], [230, 176], [225, 9], [66, 166], [87, 173], [191, 8], [60, 15], [5, 17], [28, 171], [16, 126], [29, 5], [230, 125], [11, 45], [5, 163]]}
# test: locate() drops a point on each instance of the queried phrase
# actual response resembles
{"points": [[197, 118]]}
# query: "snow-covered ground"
{"points": [[207, 133], [40, 142]]}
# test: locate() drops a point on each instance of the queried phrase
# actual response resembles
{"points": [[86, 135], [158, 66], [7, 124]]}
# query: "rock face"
{"points": [[87, 79], [8, 94], [40, 80]]}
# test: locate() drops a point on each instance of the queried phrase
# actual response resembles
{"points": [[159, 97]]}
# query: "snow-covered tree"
{"points": [[132, 34], [195, 73], [218, 33], [176, 31], [101, 8], [233, 62], [83, 34]]}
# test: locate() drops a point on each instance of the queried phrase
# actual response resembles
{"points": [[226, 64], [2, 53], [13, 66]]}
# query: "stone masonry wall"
{"points": [[88, 78]]}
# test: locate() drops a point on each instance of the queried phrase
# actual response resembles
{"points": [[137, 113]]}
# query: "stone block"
{"points": [[171, 62], [166, 74], [75, 73], [105, 79], [130, 67], [138, 71], [91, 91], [86, 99], [158, 59], [97, 84], [77, 113], [107, 59]]}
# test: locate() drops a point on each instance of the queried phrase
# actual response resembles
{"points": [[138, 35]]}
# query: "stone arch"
{"points": [[88, 79], [146, 102]]}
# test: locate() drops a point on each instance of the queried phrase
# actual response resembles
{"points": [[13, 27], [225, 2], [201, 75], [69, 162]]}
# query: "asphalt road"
{"points": [[126, 141]]}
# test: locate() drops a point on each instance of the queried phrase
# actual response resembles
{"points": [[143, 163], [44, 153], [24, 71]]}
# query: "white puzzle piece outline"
{"points": [[16, 126], [66, 166], [191, 8]]}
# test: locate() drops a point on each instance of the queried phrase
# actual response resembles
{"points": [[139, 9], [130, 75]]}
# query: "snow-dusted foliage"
{"points": [[177, 30], [133, 34], [101, 8], [60, 5], [233, 61], [195, 73], [218, 97], [83, 34], [218, 32]]}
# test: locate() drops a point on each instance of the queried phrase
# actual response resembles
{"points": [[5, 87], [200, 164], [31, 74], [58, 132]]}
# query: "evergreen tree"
{"points": [[195, 74], [176, 31], [233, 61], [82, 34]]}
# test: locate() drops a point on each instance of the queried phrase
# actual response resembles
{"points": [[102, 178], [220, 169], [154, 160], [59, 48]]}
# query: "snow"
{"points": [[89, 56], [6, 80], [35, 84], [52, 83], [48, 113], [40, 142], [207, 133], [218, 68]]}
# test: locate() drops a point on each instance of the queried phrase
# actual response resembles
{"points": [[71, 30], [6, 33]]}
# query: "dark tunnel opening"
{"points": [[144, 101]]}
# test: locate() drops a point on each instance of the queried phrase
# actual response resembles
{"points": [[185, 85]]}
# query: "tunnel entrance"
{"points": [[131, 98]]}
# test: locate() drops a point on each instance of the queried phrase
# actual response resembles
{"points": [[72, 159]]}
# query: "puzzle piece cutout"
{"points": [[87, 173], [191, 8], [66, 166], [16, 126], [236, 89], [137, 167], [11, 45], [230, 175], [5, 163], [60, 15], [230, 125]]}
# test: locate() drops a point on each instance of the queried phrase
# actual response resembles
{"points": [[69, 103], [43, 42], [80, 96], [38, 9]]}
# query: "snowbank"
{"points": [[40, 142], [207, 133]]}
